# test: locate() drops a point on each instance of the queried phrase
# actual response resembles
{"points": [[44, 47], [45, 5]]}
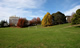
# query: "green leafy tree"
{"points": [[3, 23], [78, 12], [59, 18], [76, 17]]}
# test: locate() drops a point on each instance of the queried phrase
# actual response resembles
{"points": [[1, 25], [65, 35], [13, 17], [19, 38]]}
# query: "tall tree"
{"points": [[50, 20], [78, 12], [59, 18], [38, 20], [76, 17], [34, 20], [47, 20]]}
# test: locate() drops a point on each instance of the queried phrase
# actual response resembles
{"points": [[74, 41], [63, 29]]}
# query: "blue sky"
{"points": [[36, 8]]}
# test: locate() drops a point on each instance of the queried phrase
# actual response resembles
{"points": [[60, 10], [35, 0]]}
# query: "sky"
{"points": [[36, 8]]}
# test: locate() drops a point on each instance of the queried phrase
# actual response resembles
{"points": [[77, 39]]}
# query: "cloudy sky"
{"points": [[36, 8]]}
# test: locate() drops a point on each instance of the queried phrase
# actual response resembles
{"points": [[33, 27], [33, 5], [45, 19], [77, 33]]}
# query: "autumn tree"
{"points": [[59, 18], [31, 22], [50, 20], [47, 20], [38, 20], [34, 21], [22, 22]]}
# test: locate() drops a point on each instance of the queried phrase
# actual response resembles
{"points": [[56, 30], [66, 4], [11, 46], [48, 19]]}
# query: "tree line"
{"points": [[48, 20], [54, 19], [23, 22]]}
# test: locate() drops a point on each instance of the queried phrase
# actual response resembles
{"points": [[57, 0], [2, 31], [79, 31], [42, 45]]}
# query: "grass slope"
{"points": [[59, 36]]}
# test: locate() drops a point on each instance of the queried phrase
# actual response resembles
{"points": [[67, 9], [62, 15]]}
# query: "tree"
{"points": [[78, 12], [44, 20], [31, 22], [50, 20], [76, 17], [38, 20], [34, 21], [22, 22], [47, 20], [72, 17], [59, 18], [4, 23]]}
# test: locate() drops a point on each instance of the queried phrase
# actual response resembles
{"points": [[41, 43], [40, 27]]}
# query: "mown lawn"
{"points": [[58, 36]]}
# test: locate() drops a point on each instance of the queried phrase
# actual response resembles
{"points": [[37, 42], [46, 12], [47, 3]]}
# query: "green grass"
{"points": [[58, 36]]}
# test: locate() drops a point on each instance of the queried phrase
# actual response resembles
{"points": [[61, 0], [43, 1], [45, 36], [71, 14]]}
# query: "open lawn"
{"points": [[58, 36]]}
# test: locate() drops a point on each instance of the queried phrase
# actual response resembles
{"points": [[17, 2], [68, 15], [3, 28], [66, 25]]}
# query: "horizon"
{"points": [[36, 8]]}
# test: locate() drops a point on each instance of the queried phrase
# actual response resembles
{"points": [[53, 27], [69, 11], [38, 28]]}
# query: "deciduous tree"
{"points": [[76, 17], [38, 20], [22, 22], [3, 23], [47, 20]]}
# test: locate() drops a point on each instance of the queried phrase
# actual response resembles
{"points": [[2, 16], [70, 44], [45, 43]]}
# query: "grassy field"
{"points": [[58, 36]]}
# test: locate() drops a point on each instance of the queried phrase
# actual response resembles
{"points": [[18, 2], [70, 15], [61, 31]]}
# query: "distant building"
{"points": [[68, 18], [13, 20]]}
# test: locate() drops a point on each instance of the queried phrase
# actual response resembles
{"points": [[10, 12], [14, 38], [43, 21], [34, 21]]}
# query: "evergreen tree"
{"points": [[59, 18]]}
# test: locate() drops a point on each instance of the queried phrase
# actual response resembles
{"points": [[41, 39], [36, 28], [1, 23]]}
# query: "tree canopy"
{"points": [[47, 20], [76, 17], [59, 18]]}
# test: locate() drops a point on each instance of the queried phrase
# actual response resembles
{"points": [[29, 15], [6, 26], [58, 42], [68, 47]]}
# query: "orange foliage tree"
{"points": [[22, 22], [38, 20]]}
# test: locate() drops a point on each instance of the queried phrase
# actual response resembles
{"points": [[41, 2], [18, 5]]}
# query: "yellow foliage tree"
{"points": [[47, 20], [50, 20]]}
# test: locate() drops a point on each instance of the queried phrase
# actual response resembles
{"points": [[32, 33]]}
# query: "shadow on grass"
{"points": [[4, 27], [77, 26]]}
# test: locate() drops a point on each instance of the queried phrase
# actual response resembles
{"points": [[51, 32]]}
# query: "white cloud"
{"points": [[74, 4], [22, 3], [73, 10], [16, 7], [35, 16]]}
